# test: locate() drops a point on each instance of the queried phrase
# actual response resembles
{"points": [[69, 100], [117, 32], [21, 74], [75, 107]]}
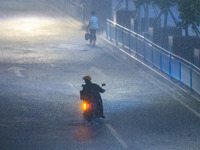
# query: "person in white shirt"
{"points": [[93, 26]]}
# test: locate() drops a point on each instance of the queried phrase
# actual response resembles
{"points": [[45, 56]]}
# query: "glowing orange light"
{"points": [[85, 106]]}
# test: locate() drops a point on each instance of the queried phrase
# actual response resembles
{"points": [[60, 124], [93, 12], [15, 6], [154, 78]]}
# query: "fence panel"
{"points": [[133, 42], [156, 57], [112, 32], [140, 47], [120, 36], [148, 53], [175, 68], [185, 74], [196, 81], [172, 65], [126, 39], [165, 63]]}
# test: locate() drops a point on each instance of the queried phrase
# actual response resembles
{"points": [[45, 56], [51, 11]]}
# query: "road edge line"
{"points": [[117, 136]]}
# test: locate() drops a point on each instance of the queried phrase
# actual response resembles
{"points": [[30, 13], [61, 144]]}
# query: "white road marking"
{"points": [[117, 136], [17, 71], [174, 96], [187, 106]]}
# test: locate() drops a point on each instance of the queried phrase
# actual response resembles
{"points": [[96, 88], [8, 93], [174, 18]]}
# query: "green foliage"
{"points": [[162, 4], [189, 14], [189, 11], [165, 4], [142, 2]]}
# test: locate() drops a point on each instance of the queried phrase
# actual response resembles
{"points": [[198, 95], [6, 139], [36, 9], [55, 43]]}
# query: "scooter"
{"points": [[90, 111]]}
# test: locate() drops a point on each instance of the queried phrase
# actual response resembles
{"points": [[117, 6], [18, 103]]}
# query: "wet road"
{"points": [[43, 57]]}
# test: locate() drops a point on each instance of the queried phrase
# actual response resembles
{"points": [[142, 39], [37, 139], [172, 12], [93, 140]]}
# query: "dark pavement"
{"points": [[43, 57]]}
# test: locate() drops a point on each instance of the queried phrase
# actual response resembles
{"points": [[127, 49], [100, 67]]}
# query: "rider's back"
{"points": [[92, 91]]}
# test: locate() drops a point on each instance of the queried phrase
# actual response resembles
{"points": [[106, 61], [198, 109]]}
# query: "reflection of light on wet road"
{"points": [[84, 133], [32, 27], [28, 25], [31, 39]]}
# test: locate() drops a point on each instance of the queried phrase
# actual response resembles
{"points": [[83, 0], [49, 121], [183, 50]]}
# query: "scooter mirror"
{"points": [[103, 84]]}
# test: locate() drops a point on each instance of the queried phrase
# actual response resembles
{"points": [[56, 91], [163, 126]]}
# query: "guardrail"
{"points": [[75, 10], [155, 56], [174, 66]]}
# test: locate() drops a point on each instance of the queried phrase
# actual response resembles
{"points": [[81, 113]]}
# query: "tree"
{"points": [[190, 15], [145, 4], [164, 6]]}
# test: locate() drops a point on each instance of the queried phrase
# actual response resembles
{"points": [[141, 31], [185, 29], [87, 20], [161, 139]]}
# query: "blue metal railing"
{"points": [[157, 57]]}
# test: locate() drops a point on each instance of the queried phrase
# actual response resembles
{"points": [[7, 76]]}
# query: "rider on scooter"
{"points": [[95, 90]]}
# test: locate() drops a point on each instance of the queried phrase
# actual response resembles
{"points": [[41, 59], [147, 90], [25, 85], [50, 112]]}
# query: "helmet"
{"points": [[88, 77]]}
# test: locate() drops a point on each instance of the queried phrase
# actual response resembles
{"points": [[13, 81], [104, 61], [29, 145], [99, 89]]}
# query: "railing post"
{"points": [[136, 45], [144, 50], [191, 76], [129, 41], [110, 33], [116, 38], [161, 60], [170, 67], [83, 14], [152, 56], [107, 30], [122, 39], [180, 82]]}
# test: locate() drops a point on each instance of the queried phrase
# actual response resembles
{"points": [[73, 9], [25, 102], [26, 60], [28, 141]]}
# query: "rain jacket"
{"points": [[93, 91]]}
